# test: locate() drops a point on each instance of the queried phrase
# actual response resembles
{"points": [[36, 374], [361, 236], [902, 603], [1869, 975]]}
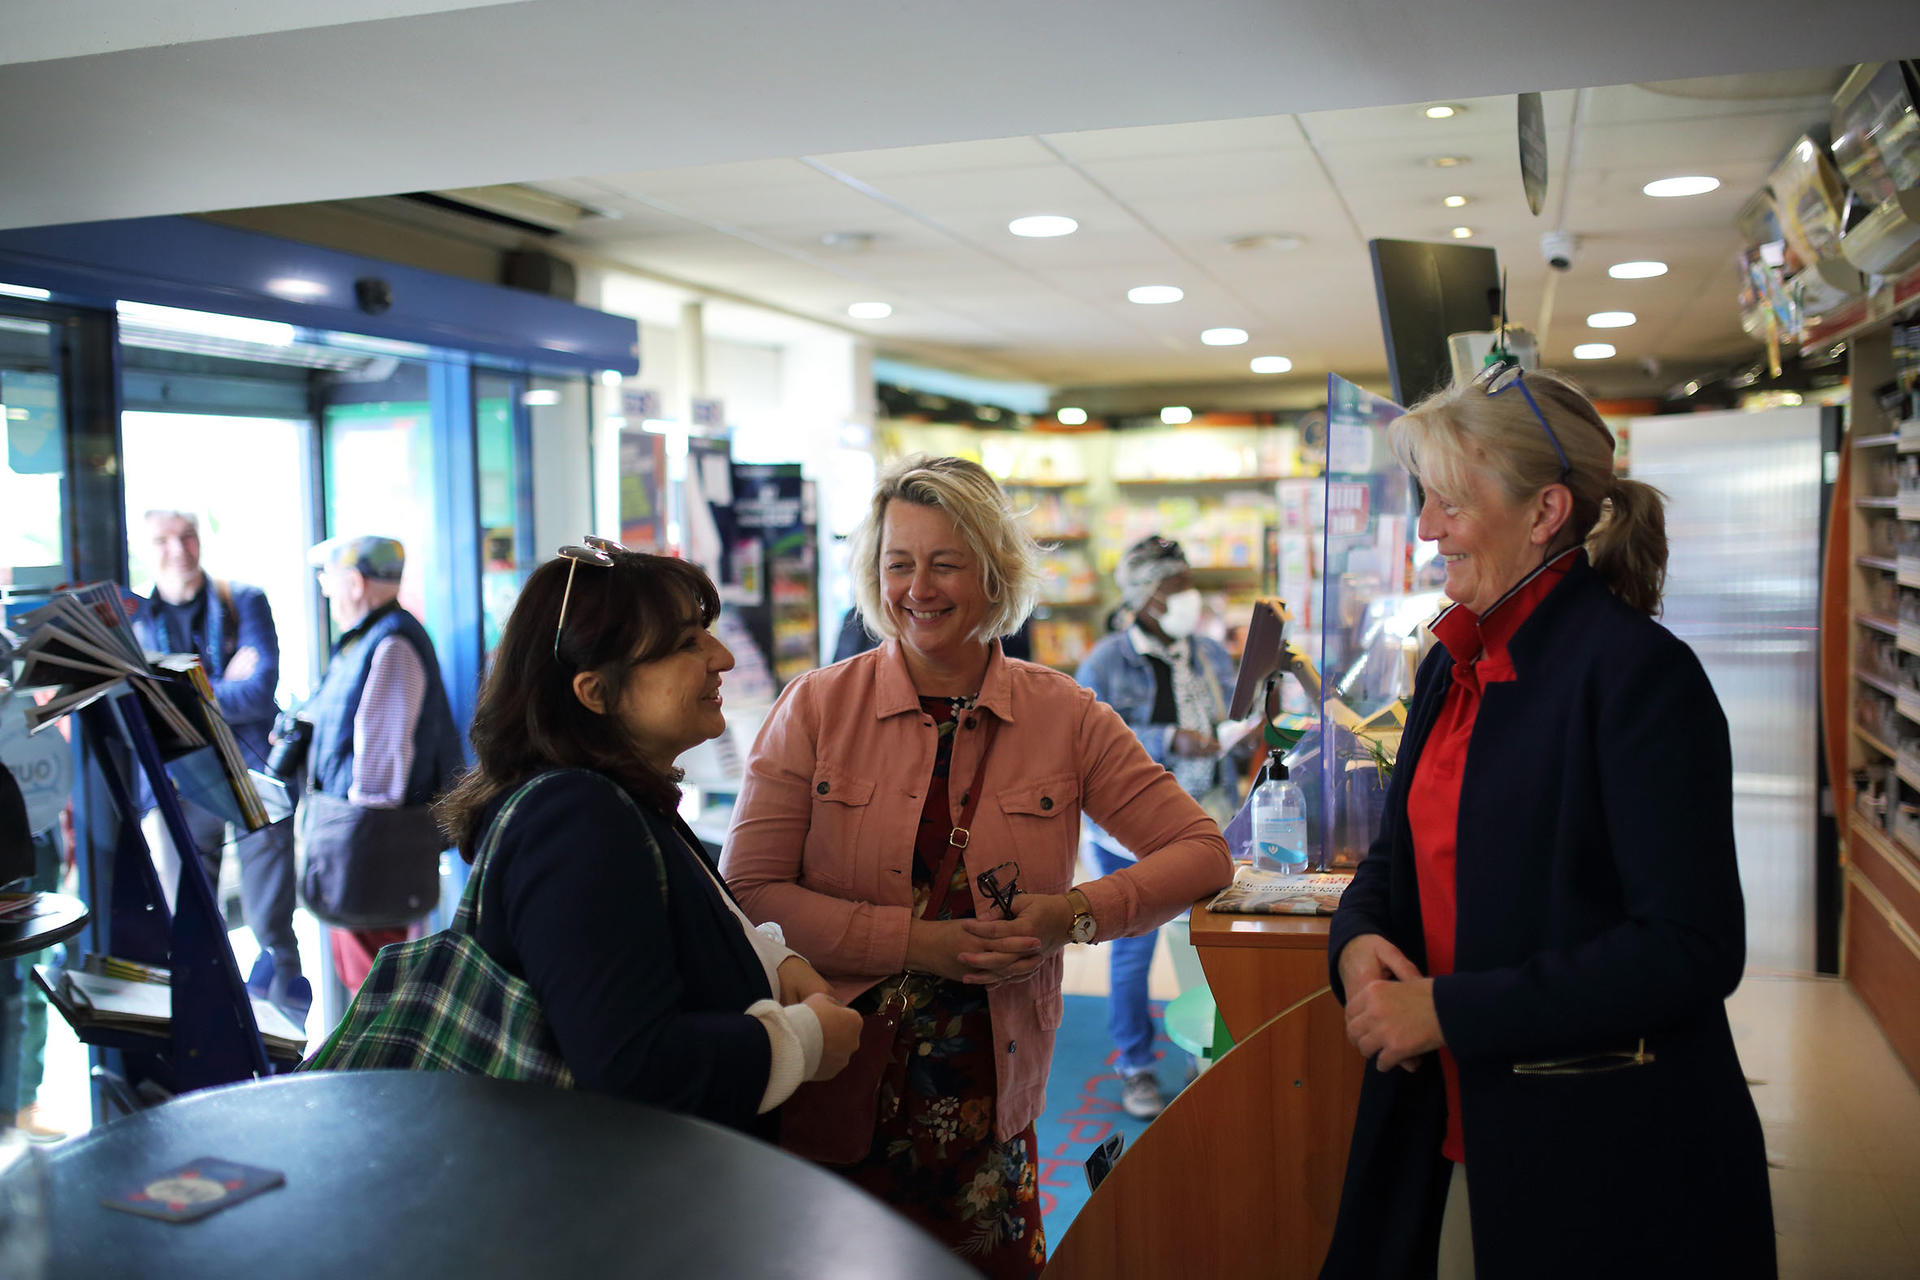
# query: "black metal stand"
{"points": [[213, 1038]]}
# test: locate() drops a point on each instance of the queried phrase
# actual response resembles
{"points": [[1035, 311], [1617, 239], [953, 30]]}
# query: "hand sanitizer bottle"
{"points": [[1279, 821]]}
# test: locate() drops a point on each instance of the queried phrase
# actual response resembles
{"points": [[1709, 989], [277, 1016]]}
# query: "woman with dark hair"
{"points": [[654, 985], [1537, 950]]}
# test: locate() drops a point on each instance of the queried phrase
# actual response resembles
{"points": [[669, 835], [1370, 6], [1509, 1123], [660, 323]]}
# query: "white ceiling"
{"points": [[1165, 204], [252, 102], [117, 108]]}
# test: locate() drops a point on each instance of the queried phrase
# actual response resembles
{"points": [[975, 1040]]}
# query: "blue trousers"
{"points": [[266, 878], [1129, 1019]]}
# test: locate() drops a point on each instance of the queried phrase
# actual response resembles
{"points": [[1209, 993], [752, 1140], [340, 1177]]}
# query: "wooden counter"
{"points": [[1258, 965], [1241, 1174]]}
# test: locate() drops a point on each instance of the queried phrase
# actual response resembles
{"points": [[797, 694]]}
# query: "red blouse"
{"points": [[1478, 647]]}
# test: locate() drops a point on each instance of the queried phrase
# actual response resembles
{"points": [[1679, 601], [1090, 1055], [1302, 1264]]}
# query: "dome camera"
{"points": [[373, 295], [1559, 249]]}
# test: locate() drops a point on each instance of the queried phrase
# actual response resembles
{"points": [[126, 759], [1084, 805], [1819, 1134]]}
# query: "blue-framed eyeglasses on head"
{"points": [[1504, 375]]}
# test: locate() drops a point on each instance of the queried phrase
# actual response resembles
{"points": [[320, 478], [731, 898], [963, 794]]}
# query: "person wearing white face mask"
{"points": [[1170, 686]]}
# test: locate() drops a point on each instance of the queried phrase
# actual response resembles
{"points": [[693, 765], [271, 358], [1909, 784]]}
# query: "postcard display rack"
{"points": [[207, 1033]]}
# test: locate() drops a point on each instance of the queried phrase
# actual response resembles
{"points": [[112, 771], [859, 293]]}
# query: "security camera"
{"points": [[1650, 366], [373, 294], [1559, 248]]}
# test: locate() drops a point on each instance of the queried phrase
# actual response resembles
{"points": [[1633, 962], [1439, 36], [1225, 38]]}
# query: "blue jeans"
{"points": [[1129, 1020]]}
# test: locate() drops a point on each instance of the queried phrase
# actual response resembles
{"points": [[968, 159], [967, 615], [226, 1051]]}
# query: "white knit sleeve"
{"points": [[797, 1043]]}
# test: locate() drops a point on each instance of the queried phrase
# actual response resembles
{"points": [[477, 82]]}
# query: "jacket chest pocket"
{"points": [[1043, 817], [833, 854]]}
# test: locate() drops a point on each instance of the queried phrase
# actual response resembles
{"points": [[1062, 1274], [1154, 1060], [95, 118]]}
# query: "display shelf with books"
{"points": [[1871, 686]]}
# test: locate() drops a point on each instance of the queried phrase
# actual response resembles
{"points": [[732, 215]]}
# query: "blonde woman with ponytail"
{"points": [[1536, 951]]}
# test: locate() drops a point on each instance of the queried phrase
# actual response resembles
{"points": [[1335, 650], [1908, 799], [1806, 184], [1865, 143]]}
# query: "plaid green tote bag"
{"points": [[442, 1004]]}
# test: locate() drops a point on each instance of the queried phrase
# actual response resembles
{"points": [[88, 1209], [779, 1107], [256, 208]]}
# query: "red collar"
{"points": [[1468, 636]]}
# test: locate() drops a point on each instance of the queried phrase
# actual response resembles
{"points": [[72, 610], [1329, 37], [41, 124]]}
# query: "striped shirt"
{"points": [[384, 723]]}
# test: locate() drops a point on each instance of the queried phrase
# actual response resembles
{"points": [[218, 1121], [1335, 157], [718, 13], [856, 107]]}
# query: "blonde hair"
{"points": [[1009, 557], [1463, 429]]}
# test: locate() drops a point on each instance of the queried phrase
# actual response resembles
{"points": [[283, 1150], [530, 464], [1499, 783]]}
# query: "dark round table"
{"points": [[405, 1173], [61, 916]]}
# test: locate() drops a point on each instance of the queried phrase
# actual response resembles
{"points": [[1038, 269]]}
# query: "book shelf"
{"points": [[1870, 674]]}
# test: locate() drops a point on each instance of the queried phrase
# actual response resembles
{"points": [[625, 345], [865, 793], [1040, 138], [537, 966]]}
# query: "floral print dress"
{"points": [[934, 1157]]}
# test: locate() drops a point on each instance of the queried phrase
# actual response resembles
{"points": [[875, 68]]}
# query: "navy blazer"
{"points": [[646, 991], [1598, 904]]}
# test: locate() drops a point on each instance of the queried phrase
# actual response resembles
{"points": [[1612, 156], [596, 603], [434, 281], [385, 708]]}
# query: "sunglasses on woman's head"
{"points": [[1504, 375], [598, 552]]}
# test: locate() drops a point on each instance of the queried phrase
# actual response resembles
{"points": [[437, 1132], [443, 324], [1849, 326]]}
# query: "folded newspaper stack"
{"points": [[1282, 893], [79, 645]]}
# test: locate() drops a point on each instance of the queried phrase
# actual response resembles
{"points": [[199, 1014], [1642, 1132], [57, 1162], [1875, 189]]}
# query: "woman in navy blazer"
{"points": [[1536, 951]]}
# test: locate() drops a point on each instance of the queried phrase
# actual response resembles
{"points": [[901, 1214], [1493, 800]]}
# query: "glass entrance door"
{"points": [[33, 550]]}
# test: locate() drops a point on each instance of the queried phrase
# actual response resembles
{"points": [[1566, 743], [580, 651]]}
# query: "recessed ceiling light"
{"points": [[1071, 417], [540, 397], [1637, 270], [1153, 295], [869, 311], [1176, 414], [1454, 202], [1463, 233], [611, 377], [1042, 225], [1270, 364], [26, 291], [1447, 162], [1666, 188], [1442, 111], [1593, 351], [1611, 319], [1223, 337]]}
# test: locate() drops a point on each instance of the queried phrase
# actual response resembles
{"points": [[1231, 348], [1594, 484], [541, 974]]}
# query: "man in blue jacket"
{"points": [[1171, 687], [230, 627]]}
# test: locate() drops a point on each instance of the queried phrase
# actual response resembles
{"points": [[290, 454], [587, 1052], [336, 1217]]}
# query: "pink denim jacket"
{"points": [[823, 833]]}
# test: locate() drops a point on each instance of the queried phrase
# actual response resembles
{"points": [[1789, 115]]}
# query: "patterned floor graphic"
{"points": [[1083, 1105]]}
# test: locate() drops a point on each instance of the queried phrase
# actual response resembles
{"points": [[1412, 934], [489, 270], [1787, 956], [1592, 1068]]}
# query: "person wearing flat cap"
{"points": [[384, 744], [1171, 688]]}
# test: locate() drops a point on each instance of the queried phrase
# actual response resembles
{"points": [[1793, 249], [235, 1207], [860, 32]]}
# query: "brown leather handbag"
{"points": [[831, 1121]]}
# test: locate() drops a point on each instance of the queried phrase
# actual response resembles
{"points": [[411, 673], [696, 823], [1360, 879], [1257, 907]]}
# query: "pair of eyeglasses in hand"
{"points": [[1002, 884]]}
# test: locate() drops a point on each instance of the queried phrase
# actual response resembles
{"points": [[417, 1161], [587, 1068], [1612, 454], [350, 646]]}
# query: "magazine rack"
{"points": [[213, 1038]]}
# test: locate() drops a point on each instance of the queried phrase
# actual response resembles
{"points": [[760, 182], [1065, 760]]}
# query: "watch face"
{"points": [[1082, 928]]}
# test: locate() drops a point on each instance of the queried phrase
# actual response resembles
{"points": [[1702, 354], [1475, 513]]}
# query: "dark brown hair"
{"points": [[529, 719]]}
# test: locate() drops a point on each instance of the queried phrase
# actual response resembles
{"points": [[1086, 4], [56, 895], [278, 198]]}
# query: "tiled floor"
{"points": [[1842, 1119]]}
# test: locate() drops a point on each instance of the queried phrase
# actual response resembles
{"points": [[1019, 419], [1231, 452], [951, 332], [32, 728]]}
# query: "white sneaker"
{"points": [[1140, 1096]]}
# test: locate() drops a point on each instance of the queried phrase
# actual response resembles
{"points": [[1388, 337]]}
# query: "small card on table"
{"points": [[195, 1189]]}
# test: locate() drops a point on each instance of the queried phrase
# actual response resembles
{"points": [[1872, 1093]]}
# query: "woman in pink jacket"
{"points": [[849, 812]]}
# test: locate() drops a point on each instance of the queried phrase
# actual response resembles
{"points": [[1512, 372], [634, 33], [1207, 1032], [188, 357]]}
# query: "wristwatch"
{"points": [[1081, 930]]}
